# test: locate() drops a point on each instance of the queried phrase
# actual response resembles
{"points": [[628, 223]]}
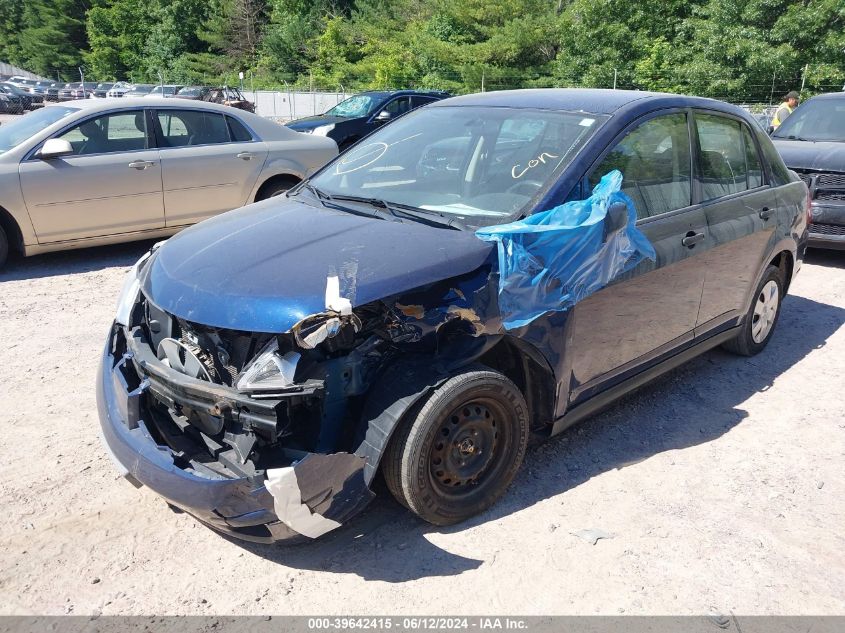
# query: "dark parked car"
{"points": [[812, 143], [101, 90], [77, 90], [264, 365], [13, 102], [353, 118], [28, 101], [194, 93]]}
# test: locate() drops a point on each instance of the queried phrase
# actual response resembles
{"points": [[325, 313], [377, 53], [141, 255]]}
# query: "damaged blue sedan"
{"points": [[483, 270]]}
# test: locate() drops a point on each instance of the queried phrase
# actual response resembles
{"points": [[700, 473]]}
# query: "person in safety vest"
{"points": [[790, 102]]}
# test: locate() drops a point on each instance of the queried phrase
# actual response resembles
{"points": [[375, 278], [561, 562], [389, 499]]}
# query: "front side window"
{"points": [[467, 162], [722, 157], [118, 132], [182, 128], [654, 159]]}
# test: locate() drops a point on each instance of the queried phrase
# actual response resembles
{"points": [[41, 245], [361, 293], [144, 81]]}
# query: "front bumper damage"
{"points": [[302, 495]]}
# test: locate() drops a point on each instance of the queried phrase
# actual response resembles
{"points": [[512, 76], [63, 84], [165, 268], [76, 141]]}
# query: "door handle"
{"points": [[692, 238], [244, 155], [765, 213], [141, 164]]}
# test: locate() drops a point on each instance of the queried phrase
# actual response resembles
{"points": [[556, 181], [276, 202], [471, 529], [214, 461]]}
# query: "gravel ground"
{"points": [[721, 484]]}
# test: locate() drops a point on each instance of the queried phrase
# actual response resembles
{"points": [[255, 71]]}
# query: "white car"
{"points": [[119, 89], [101, 171]]}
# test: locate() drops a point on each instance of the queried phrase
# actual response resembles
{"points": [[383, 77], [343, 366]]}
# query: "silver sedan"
{"points": [[103, 171]]}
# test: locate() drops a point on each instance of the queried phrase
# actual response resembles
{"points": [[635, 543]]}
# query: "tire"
{"points": [[455, 454], [762, 317], [275, 187], [4, 247]]}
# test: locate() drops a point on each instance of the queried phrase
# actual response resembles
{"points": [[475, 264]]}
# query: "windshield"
{"points": [[14, 133], [359, 105], [478, 165], [816, 120]]}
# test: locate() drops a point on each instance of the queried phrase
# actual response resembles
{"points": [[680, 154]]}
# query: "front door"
{"points": [[651, 310], [111, 183], [210, 163]]}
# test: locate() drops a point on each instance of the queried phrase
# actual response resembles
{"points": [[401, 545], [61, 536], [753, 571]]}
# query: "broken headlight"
{"points": [[129, 293], [322, 130], [270, 370]]}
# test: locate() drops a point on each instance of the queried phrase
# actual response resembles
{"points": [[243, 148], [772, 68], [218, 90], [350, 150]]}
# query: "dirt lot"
{"points": [[722, 485]]}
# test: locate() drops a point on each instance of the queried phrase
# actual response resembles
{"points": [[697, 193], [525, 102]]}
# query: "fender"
{"points": [[278, 167]]}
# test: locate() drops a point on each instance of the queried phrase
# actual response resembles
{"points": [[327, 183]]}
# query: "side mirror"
{"points": [[616, 219], [383, 117], [55, 148]]}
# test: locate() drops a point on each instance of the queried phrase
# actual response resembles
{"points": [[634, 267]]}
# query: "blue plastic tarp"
{"points": [[551, 260]]}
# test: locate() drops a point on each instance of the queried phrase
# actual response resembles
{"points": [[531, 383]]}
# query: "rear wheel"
{"points": [[456, 453], [762, 317]]}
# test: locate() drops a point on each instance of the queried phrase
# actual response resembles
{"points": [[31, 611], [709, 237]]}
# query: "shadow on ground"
{"points": [[73, 262], [387, 543]]}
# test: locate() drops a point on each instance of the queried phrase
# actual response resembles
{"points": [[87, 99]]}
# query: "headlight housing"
{"points": [[323, 130], [270, 370], [131, 287]]}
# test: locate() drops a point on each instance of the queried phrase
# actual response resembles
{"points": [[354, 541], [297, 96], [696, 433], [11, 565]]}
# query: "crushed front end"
{"points": [[266, 436]]}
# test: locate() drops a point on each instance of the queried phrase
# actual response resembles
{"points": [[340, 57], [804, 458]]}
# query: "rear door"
{"points": [[210, 163], [652, 310], [741, 211], [111, 183]]}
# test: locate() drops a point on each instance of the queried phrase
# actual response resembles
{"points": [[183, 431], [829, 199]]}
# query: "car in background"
{"points": [[10, 104], [13, 103], [266, 365], [52, 92], [77, 90], [354, 118], [229, 96], [193, 92], [119, 89], [812, 144], [101, 90], [139, 90], [101, 171], [27, 101], [164, 91]]}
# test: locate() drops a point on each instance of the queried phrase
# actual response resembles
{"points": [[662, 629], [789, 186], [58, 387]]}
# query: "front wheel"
{"points": [[456, 454], [762, 317]]}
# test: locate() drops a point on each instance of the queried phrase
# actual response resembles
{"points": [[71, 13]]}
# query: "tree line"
{"points": [[740, 50]]}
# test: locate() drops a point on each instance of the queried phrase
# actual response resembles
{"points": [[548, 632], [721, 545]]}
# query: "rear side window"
{"points": [[182, 128], [654, 159], [417, 102], [398, 106], [722, 157], [238, 131], [118, 132], [752, 160]]}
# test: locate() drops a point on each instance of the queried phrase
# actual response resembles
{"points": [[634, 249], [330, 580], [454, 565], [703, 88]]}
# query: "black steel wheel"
{"points": [[456, 453]]}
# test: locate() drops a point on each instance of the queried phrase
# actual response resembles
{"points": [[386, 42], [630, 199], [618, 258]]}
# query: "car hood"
{"points": [[264, 268], [311, 122], [820, 155]]}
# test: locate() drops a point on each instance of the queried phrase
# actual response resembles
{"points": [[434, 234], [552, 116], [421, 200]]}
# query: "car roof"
{"points": [[593, 100], [102, 105], [829, 95]]}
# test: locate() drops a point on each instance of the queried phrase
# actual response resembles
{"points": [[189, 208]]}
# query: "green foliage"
{"points": [[731, 49]]}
